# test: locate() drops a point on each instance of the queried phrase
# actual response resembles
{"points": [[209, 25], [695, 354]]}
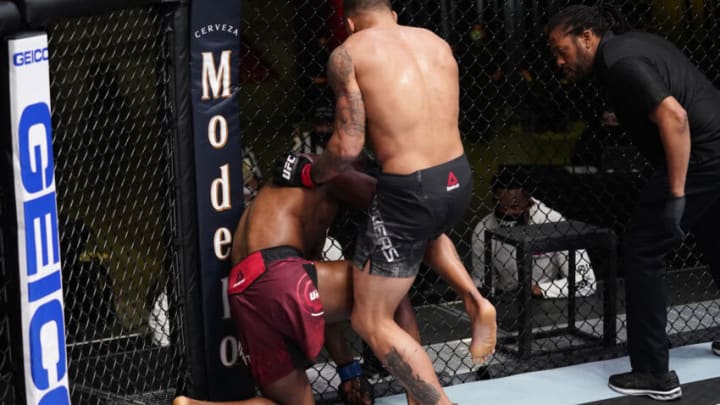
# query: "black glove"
{"points": [[672, 215], [293, 170]]}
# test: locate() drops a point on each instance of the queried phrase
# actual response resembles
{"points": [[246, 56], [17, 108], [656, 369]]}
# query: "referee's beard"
{"points": [[581, 68]]}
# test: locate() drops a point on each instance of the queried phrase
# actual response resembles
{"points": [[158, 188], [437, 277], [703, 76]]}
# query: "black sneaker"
{"points": [[716, 347], [665, 387]]}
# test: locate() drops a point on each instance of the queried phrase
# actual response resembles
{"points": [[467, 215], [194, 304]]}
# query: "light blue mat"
{"points": [[572, 385]]}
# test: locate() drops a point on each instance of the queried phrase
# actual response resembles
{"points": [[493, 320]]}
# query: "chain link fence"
{"points": [[523, 127], [8, 366], [112, 142]]}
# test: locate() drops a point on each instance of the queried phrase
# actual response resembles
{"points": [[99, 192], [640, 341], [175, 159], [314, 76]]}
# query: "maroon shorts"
{"points": [[277, 311]]}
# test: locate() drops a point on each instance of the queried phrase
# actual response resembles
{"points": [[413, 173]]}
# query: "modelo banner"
{"points": [[38, 241], [215, 61]]}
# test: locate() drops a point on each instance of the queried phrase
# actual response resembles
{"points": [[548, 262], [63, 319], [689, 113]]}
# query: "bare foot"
{"points": [[484, 327], [182, 400]]}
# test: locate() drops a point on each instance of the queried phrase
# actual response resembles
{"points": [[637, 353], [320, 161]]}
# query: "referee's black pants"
{"points": [[645, 245]]}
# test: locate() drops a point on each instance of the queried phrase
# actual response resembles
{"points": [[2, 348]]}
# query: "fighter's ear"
{"points": [[586, 36], [349, 26]]}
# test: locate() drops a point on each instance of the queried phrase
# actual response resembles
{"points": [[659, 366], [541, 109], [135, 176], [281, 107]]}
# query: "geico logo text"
{"points": [[30, 57], [46, 336]]}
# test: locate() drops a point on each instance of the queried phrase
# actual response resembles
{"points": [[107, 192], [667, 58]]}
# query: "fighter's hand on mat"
{"points": [[672, 215], [356, 391], [536, 291], [354, 387], [293, 170]]}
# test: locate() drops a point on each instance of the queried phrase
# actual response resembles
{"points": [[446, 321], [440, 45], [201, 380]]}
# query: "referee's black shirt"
{"points": [[639, 70]]}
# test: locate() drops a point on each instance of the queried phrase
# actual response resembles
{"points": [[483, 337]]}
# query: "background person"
{"points": [[515, 206], [312, 137], [670, 110]]}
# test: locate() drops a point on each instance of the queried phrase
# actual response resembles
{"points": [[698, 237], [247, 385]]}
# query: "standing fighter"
{"points": [[671, 110], [281, 330], [399, 85]]}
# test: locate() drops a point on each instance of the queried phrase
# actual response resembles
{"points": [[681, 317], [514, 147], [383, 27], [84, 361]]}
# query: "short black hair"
{"points": [[352, 6], [511, 177], [601, 18]]}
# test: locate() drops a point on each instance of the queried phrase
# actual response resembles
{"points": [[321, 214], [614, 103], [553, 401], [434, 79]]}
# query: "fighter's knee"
{"points": [[360, 323]]}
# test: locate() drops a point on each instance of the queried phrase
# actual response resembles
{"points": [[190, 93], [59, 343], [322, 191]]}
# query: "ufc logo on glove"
{"points": [[288, 168]]}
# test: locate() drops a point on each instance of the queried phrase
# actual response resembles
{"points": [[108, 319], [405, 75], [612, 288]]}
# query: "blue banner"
{"points": [[215, 61]]}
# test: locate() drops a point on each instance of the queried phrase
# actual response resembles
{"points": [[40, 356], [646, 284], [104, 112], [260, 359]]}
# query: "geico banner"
{"points": [[215, 60], [43, 327]]}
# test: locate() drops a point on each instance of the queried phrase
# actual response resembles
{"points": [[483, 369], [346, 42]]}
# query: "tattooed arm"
{"points": [[348, 136]]}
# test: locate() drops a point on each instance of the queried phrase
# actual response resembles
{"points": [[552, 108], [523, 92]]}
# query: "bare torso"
{"points": [[297, 217], [409, 83]]}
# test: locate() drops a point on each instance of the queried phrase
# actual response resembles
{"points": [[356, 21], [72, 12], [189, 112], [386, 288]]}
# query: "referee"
{"points": [[672, 112]]}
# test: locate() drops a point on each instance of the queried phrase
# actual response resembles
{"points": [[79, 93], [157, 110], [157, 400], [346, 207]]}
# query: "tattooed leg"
{"points": [[421, 390], [376, 299]]}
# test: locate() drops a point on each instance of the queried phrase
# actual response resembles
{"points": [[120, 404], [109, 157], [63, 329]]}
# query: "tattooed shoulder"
{"points": [[339, 66]]}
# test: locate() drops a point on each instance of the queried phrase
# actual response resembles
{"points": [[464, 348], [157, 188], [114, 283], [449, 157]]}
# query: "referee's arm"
{"points": [[672, 121]]}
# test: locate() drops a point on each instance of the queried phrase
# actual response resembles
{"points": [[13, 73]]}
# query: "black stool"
{"points": [[551, 237]]}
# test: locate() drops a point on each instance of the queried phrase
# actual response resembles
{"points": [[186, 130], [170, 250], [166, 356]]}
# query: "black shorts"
{"points": [[407, 212]]}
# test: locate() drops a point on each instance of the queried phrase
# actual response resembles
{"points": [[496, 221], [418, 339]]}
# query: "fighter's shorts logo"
{"points": [[239, 280], [309, 297], [383, 239], [452, 183]]}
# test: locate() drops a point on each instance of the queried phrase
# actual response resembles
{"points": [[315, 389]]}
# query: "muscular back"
{"points": [[408, 80], [296, 217]]}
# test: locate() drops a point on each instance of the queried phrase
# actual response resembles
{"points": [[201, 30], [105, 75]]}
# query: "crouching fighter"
{"points": [[286, 305]]}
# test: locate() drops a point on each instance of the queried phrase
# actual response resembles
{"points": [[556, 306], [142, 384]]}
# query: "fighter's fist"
{"points": [[293, 170]]}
